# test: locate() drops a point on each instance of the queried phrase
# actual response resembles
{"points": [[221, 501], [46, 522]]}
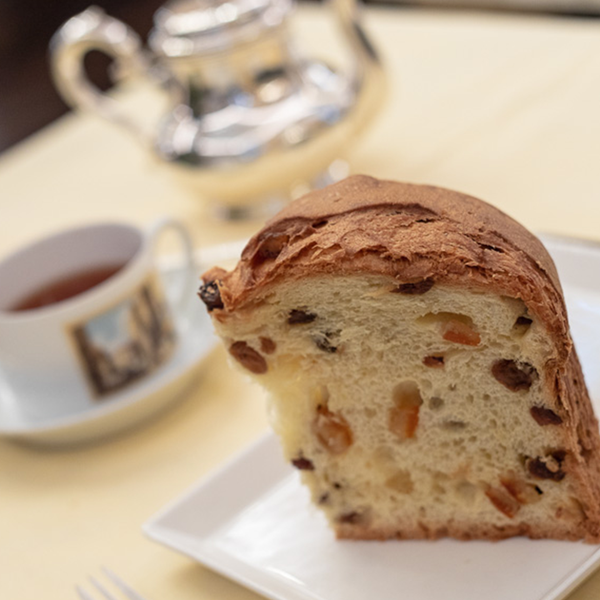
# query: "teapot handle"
{"points": [[94, 30]]}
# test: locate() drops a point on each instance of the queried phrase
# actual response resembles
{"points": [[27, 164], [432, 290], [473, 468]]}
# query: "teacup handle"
{"points": [[186, 284]]}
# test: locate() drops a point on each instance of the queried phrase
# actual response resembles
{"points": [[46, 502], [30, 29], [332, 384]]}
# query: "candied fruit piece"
{"points": [[332, 430]]}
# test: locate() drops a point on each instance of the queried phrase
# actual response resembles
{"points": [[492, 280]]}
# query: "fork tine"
{"points": [[130, 593], [102, 589], [83, 594]]}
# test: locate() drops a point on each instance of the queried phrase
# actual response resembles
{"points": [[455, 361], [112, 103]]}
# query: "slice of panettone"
{"points": [[417, 352]]}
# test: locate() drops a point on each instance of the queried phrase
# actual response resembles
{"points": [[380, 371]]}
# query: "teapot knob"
{"points": [[94, 30]]}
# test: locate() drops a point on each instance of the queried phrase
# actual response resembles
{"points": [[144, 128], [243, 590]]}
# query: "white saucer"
{"points": [[129, 407]]}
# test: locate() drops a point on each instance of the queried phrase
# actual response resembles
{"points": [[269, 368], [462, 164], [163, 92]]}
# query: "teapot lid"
{"points": [[188, 27]]}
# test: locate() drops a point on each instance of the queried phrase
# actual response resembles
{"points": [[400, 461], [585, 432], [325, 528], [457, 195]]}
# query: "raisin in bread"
{"points": [[422, 376]]}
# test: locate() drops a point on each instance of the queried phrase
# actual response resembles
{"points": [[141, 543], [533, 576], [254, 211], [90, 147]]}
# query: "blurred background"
{"points": [[28, 99]]}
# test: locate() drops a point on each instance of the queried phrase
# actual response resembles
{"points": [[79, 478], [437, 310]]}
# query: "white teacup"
{"points": [[66, 356]]}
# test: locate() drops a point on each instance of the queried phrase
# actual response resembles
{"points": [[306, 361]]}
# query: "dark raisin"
{"points": [[435, 362], [267, 345], [337, 485], [512, 376], [324, 344], [417, 287], [350, 517], [210, 294], [545, 416], [548, 467], [300, 317], [324, 341], [304, 464], [248, 357]]}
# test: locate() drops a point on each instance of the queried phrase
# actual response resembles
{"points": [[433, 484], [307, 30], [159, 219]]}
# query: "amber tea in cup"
{"points": [[66, 287]]}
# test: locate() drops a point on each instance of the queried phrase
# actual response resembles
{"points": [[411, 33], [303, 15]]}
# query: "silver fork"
{"points": [[116, 581]]}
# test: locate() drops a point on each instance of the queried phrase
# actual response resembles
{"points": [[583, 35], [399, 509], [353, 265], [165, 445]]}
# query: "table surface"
{"points": [[501, 107]]}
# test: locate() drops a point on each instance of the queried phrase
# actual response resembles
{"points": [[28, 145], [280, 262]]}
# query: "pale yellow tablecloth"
{"points": [[502, 107]]}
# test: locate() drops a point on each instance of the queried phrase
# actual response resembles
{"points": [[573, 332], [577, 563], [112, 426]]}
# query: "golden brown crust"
{"points": [[583, 461], [414, 233], [410, 232]]}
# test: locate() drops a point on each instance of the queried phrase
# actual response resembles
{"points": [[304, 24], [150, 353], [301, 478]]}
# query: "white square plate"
{"points": [[252, 521]]}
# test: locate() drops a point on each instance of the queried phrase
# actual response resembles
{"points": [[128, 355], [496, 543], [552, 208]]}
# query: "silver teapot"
{"points": [[249, 116]]}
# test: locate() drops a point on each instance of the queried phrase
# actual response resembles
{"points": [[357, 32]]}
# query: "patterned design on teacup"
{"points": [[126, 342]]}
